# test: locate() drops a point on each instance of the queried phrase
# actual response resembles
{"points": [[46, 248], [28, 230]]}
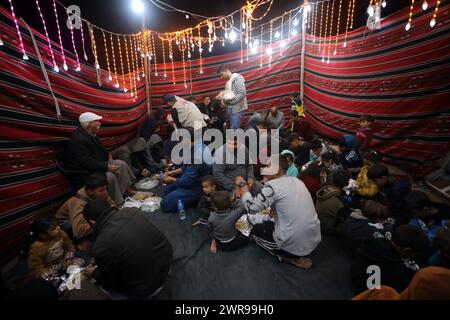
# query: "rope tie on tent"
{"points": [[44, 70]]}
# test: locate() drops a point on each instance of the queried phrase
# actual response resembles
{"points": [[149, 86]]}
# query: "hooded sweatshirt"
{"points": [[395, 271], [331, 209]]}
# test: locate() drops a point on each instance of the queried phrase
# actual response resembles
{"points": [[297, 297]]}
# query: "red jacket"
{"points": [[313, 185]]}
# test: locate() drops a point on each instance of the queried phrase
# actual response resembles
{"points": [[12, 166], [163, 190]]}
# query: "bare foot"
{"points": [[213, 246], [300, 262]]}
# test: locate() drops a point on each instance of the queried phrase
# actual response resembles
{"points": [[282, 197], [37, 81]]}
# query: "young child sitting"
{"points": [[317, 150], [441, 243], [290, 158], [312, 177], [392, 191], [363, 137], [222, 223], [395, 258], [331, 207], [51, 252], [349, 156], [329, 162], [366, 187], [423, 213], [370, 223], [205, 204]]}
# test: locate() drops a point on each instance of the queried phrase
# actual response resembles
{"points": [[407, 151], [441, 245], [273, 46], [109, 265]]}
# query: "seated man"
{"points": [[227, 166], [86, 152], [138, 157], [187, 187], [132, 256], [276, 118], [296, 231], [70, 214]]}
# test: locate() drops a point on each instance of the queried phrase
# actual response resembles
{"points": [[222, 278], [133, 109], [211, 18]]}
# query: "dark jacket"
{"points": [[132, 255], [332, 211], [302, 154], [205, 206], [149, 126], [360, 229], [380, 252], [393, 194], [215, 114], [85, 152]]}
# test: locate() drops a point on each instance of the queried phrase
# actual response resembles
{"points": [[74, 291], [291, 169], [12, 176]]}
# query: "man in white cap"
{"points": [[296, 230], [86, 152]]}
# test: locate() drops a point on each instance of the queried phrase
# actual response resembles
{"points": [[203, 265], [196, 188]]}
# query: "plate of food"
{"points": [[141, 196], [147, 184]]}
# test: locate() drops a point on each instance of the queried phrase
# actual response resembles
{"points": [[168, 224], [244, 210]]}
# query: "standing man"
{"points": [[234, 97]]}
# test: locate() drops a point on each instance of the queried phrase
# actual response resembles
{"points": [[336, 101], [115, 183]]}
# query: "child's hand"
{"points": [[169, 179]]}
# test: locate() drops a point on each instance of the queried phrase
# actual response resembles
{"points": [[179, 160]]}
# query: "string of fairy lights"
{"points": [[243, 25]]}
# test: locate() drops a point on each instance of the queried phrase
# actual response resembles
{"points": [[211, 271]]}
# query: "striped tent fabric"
{"points": [[400, 78]]}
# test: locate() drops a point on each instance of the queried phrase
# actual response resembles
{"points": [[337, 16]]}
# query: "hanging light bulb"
{"points": [[193, 46], [65, 66], [97, 66], [143, 75], [1, 42], [283, 44], [78, 69], [269, 51], [226, 35], [384, 4], [308, 8], [165, 75], [277, 35], [187, 16], [328, 61], [25, 56], [424, 5], [295, 22], [185, 85], [223, 44], [56, 68], [201, 71], [408, 26], [243, 25], [371, 10], [210, 49], [334, 53], [323, 59], [189, 55], [233, 36], [125, 90], [254, 50], [294, 32], [432, 22], [110, 78], [117, 85], [345, 44]]}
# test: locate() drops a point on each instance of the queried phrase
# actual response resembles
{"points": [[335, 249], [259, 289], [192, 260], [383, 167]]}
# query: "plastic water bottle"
{"points": [[181, 210], [161, 177]]}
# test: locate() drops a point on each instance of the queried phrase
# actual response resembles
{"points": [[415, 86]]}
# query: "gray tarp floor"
{"points": [[248, 273]]}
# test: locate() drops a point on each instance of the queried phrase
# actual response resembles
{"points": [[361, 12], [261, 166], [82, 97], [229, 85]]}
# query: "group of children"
{"points": [[382, 220]]}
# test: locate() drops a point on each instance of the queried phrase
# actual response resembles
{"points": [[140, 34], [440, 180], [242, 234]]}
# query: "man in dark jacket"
{"points": [[300, 147], [132, 256], [394, 258], [86, 152]]}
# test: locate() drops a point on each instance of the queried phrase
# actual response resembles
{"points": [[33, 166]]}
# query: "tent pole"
{"points": [[302, 57], [146, 75]]}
